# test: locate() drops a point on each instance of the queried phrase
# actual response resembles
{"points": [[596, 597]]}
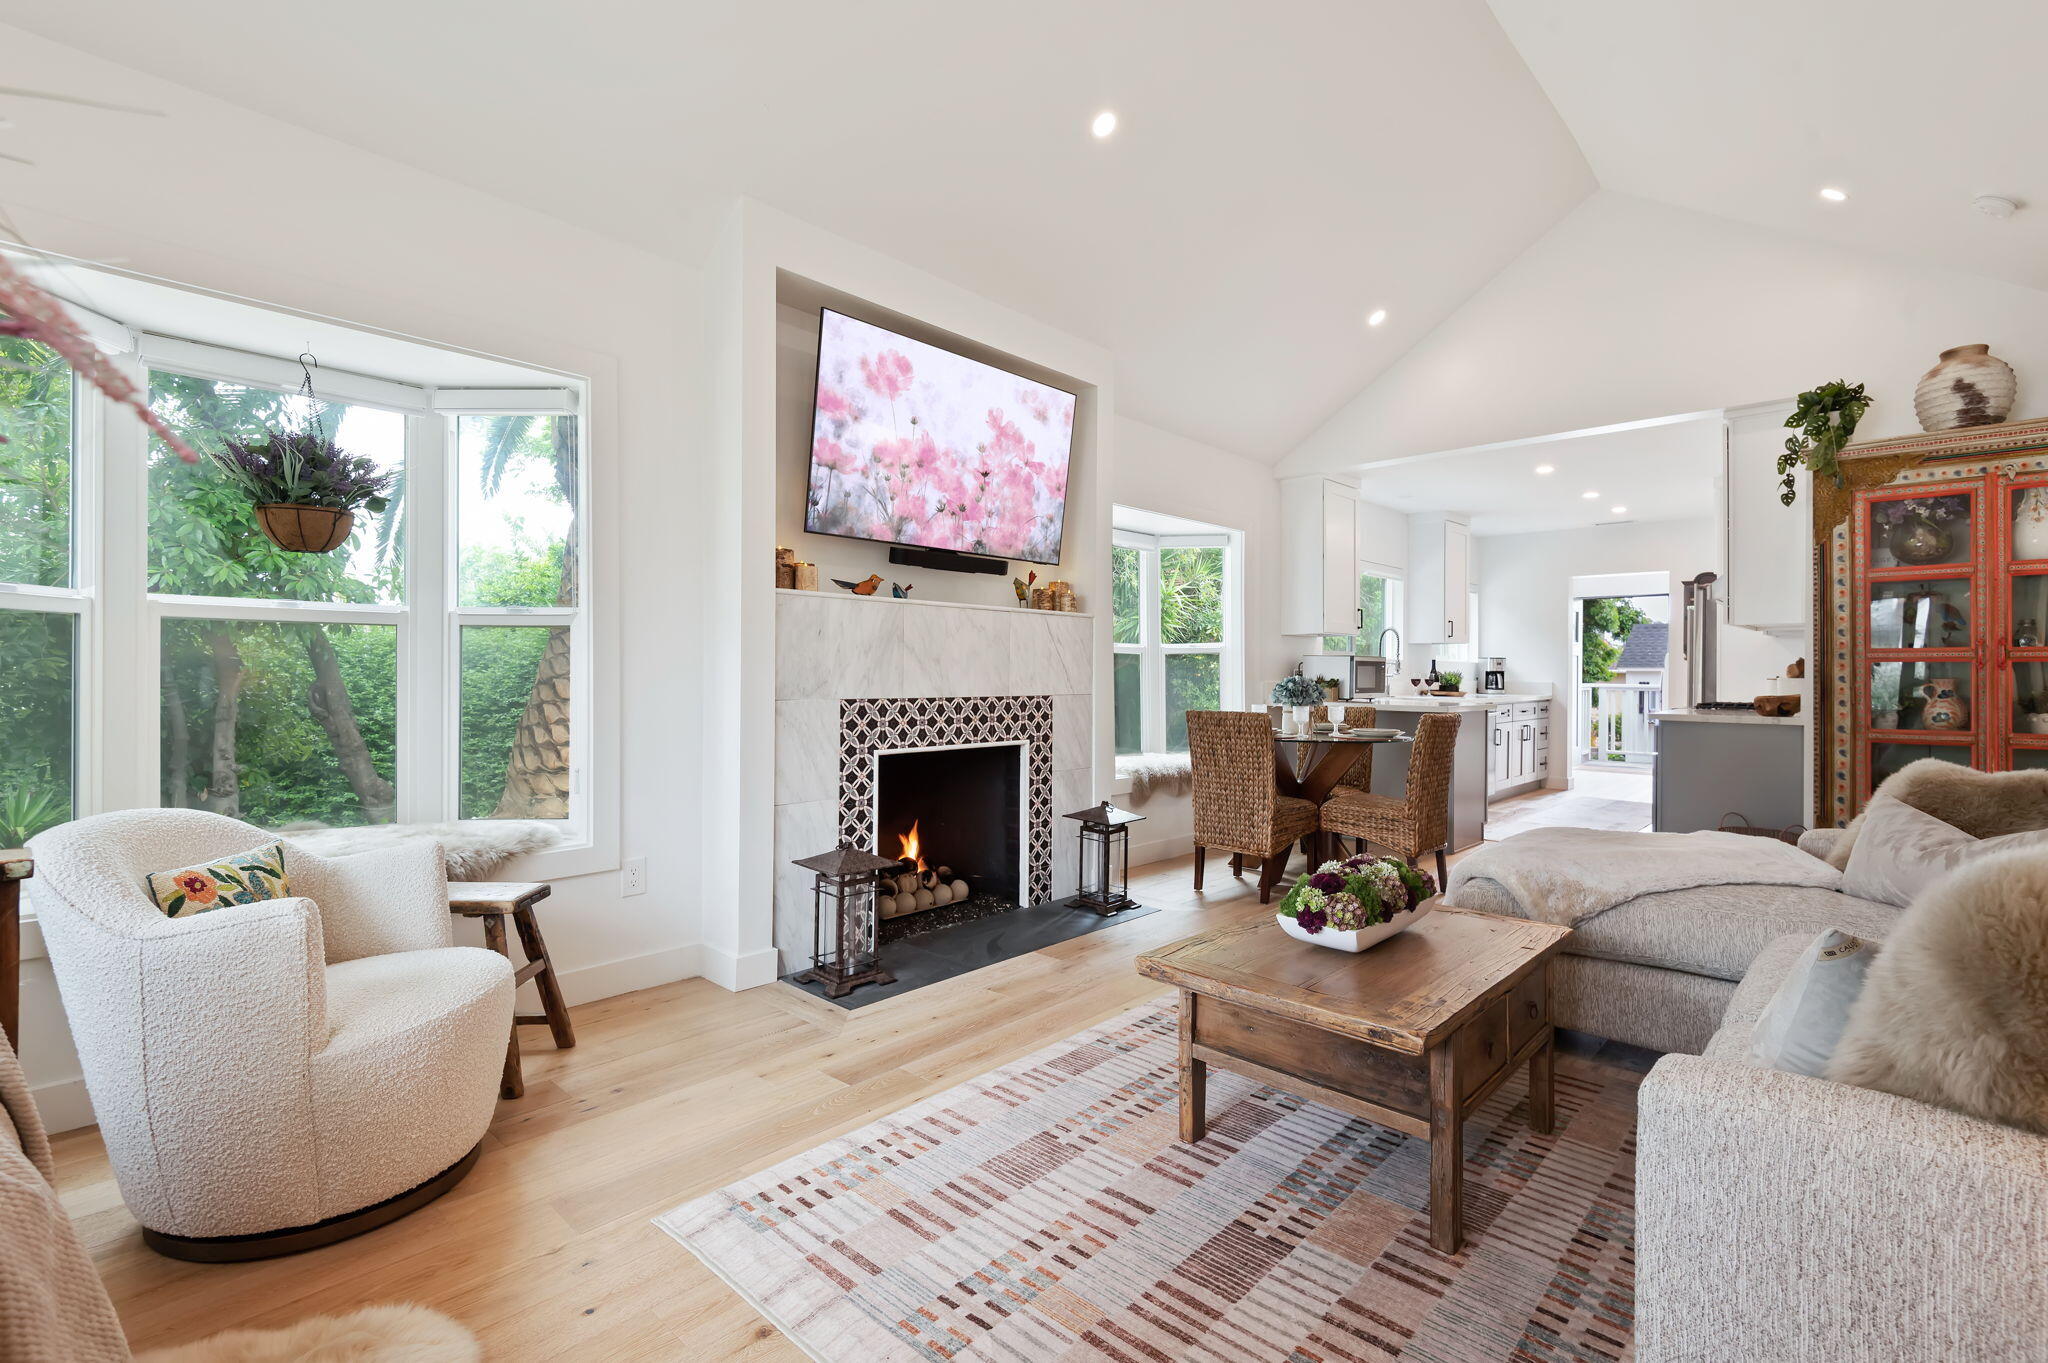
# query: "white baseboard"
{"points": [[1145, 851], [64, 1104], [746, 971], [587, 984]]}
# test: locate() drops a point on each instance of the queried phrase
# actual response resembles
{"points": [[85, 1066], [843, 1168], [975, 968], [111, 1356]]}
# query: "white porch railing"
{"points": [[1616, 716]]}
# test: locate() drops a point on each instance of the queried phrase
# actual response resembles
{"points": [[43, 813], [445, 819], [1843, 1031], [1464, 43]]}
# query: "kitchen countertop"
{"points": [[1485, 700], [1728, 717]]}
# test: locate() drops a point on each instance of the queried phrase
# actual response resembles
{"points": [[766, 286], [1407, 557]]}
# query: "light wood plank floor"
{"points": [[546, 1251]]}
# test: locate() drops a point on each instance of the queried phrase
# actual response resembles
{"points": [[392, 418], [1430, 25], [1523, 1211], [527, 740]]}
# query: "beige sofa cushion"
{"points": [[1714, 930], [1754, 994]]}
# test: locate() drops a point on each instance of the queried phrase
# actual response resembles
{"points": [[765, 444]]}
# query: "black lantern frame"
{"points": [[1105, 866], [843, 910]]}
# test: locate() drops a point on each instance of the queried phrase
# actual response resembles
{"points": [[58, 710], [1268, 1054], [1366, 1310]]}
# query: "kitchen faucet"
{"points": [[1395, 656]]}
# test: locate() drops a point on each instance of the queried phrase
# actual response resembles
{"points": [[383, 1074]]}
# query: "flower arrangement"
{"points": [[303, 469], [1296, 690], [1357, 892]]}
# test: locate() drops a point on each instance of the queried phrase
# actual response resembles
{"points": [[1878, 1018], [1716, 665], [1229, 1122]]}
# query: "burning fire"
{"points": [[911, 851]]}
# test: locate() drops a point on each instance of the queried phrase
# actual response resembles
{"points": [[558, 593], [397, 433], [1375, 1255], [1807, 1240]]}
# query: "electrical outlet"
{"points": [[633, 876]]}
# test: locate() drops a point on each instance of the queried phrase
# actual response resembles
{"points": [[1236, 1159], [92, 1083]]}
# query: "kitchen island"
{"points": [[1468, 764], [1716, 763]]}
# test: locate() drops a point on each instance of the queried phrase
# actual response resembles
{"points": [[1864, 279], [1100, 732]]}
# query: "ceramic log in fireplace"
{"points": [[960, 808]]}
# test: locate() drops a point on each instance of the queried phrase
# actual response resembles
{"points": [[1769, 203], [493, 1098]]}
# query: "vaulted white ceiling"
{"points": [[1280, 171], [1747, 110]]}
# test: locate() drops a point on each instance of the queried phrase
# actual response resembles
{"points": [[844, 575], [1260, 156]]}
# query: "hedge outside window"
{"points": [[1171, 631]]}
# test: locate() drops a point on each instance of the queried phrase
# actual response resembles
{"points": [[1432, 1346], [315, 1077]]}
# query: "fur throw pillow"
{"points": [[1984, 804], [1955, 1008]]}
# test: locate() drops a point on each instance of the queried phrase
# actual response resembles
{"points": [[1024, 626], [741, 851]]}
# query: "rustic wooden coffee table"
{"points": [[1413, 1034]]}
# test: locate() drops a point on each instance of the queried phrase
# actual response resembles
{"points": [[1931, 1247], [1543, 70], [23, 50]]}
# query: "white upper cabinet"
{"points": [[1319, 558], [1439, 579], [1766, 561]]}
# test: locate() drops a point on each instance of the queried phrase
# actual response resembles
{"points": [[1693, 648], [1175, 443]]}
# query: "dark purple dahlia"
{"points": [[1312, 920], [1329, 882]]}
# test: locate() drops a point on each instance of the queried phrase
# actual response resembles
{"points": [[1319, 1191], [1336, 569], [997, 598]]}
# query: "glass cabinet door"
{"points": [[1925, 626], [2019, 669]]}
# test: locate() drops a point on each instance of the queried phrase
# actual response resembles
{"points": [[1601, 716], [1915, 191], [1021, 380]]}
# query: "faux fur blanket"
{"points": [[1984, 804], [1170, 773], [475, 847], [1567, 875]]}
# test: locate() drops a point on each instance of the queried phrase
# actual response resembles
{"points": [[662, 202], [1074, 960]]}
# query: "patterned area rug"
{"points": [[1047, 1211]]}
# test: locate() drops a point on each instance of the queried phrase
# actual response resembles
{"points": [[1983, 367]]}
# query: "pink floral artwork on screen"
{"points": [[916, 445]]}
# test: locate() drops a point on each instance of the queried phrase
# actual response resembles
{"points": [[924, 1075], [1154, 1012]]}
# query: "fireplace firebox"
{"points": [[959, 807]]}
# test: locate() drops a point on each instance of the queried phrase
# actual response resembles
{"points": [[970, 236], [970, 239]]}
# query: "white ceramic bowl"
{"points": [[1357, 939]]}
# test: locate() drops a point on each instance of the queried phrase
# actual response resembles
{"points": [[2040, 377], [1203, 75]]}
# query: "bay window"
{"points": [[156, 646], [1176, 631]]}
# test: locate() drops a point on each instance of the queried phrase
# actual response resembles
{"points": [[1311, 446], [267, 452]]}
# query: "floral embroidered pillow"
{"points": [[245, 878]]}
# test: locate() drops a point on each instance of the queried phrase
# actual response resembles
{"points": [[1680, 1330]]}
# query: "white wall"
{"points": [[1628, 310], [1526, 588], [1159, 471], [387, 245]]}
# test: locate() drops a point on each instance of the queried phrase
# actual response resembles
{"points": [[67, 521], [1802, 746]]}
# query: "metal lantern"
{"points": [[843, 926], [1105, 858]]}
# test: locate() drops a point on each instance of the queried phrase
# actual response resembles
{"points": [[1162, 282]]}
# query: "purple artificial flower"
{"points": [[1312, 920], [1326, 881]]}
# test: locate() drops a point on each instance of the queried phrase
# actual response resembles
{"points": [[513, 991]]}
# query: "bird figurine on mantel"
{"points": [[865, 587], [899, 591], [1022, 586]]}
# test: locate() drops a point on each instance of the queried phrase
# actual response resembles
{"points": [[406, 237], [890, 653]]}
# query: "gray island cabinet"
{"points": [[1715, 763]]}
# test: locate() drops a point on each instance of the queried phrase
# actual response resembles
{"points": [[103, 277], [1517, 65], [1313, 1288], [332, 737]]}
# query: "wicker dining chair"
{"points": [[1420, 820], [1360, 775], [1238, 809]]}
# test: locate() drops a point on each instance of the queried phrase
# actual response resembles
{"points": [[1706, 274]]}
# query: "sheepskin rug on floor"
{"points": [[475, 847], [376, 1334]]}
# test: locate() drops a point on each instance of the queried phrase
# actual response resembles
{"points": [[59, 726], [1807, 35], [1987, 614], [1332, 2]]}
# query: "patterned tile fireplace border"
{"points": [[869, 726]]}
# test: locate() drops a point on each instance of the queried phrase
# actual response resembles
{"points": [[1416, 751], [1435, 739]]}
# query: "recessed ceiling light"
{"points": [[1375, 317], [1546, 468], [1618, 510], [1104, 124], [1590, 496], [1833, 195]]}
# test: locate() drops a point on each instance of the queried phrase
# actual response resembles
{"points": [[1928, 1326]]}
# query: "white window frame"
{"points": [[1152, 651], [116, 720]]}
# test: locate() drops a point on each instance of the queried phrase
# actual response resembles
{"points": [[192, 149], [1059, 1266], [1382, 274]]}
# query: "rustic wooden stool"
{"points": [[493, 901]]}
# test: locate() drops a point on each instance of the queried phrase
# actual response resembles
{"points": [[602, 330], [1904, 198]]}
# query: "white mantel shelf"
{"points": [[837, 593]]}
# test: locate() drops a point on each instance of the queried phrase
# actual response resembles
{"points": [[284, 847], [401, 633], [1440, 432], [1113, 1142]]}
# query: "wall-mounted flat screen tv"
{"points": [[911, 444]]}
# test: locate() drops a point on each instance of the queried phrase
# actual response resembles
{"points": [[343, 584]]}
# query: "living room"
{"points": [[879, 587]]}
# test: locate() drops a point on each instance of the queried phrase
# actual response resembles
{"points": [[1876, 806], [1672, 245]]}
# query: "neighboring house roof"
{"points": [[1645, 646]]}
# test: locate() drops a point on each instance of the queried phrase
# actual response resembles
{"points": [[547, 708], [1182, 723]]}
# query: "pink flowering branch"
{"points": [[34, 315]]}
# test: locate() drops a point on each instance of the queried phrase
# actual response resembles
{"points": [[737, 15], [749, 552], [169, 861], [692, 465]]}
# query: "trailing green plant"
{"points": [[303, 468], [1825, 418]]}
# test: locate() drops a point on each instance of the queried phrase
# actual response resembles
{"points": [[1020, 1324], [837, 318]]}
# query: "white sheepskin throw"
{"points": [[1955, 1010], [1169, 773], [1984, 804], [376, 1334], [475, 847]]}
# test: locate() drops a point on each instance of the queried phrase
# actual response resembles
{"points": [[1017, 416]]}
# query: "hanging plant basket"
{"points": [[303, 487], [304, 529]]}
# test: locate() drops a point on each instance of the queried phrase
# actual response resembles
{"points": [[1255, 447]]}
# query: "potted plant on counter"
{"points": [[1451, 684]]}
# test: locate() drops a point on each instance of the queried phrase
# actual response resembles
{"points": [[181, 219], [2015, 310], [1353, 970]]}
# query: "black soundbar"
{"points": [[946, 560]]}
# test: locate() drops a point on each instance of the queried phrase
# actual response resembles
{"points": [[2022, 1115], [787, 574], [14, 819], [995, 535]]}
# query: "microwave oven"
{"points": [[1369, 676]]}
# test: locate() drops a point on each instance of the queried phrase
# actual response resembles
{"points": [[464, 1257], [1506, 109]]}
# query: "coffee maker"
{"points": [[1494, 676]]}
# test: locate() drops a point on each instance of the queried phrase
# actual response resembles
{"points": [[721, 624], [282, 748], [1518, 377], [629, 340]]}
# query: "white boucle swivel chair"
{"points": [[271, 1077]]}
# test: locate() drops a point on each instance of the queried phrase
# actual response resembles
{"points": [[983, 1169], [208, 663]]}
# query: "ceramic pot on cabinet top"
{"points": [[1946, 709], [1970, 387]]}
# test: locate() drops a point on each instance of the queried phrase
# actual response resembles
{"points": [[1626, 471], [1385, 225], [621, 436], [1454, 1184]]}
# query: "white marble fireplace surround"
{"points": [[834, 646]]}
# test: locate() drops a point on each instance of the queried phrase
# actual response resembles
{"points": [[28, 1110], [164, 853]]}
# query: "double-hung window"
{"points": [[157, 648], [1176, 634], [1379, 609]]}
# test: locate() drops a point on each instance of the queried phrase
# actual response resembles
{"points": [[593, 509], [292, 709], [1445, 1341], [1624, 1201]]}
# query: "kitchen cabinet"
{"points": [[1319, 567], [1518, 748], [1765, 551], [1439, 579], [1712, 764]]}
